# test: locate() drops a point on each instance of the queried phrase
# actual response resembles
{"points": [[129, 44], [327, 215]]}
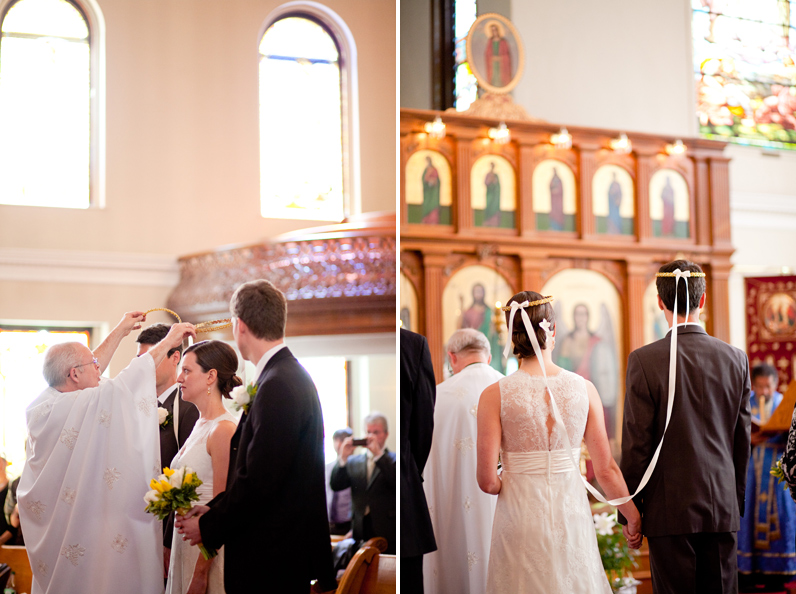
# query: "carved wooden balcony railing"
{"points": [[338, 279]]}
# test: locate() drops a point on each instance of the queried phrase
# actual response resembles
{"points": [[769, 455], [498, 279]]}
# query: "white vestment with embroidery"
{"points": [[91, 455], [461, 512]]}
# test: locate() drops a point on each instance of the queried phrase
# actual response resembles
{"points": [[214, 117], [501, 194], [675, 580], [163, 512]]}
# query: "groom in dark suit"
{"points": [[692, 504], [272, 517], [371, 477], [175, 433]]}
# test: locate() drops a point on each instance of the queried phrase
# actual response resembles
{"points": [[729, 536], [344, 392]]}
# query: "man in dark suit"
{"points": [[692, 504], [418, 394], [371, 477], [272, 517], [175, 432]]}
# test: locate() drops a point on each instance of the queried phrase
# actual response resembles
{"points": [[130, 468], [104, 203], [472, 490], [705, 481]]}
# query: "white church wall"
{"points": [[182, 166]]}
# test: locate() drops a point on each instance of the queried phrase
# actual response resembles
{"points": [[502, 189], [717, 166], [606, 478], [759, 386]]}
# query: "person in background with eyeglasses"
{"points": [[92, 450]]}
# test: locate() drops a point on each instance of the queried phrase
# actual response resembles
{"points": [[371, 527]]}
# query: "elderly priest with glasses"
{"points": [[92, 449]]}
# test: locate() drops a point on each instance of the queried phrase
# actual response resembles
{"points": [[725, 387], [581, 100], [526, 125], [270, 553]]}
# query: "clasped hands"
{"points": [[632, 533], [188, 525]]}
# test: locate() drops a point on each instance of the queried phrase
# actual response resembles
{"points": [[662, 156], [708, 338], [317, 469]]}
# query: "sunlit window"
{"points": [[301, 122], [331, 380], [45, 105], [21, 381], [745, 67], [465, 86]]}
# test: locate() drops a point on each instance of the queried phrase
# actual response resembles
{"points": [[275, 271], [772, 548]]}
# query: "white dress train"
{"points": [[543, 537], [183, 555]]}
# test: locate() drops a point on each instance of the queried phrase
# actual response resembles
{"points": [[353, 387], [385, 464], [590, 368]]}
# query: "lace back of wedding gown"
{"points": [[183, 555], [543, 537]]}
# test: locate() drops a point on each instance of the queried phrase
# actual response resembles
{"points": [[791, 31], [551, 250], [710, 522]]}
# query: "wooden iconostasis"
{"points": [[590, 225]]}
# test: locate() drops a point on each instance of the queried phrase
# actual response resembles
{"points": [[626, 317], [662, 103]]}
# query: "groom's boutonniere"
{"points": [[243, 397], [164, 417]]}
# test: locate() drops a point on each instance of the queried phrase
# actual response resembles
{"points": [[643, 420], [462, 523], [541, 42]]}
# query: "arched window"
{"points": [[49, 104], [308, 115]]}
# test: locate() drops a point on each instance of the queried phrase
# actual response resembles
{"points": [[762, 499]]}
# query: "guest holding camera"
{"points": [[371, 477]]}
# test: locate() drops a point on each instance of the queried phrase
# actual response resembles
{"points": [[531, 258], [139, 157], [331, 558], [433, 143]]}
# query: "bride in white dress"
{"points": [[208, 373], [543, 537]]}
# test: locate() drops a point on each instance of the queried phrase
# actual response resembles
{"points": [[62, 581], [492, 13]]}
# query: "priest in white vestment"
{"points": [[461, 513], [92, 449]]}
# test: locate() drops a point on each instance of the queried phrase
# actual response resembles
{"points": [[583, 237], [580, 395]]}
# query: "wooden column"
{"points": [[636, 285], [531, 265], [645, 166], [463, 207], [702, 216], [588, 165], [718, 290], [720, 202], [527, 217], [433, 265]]}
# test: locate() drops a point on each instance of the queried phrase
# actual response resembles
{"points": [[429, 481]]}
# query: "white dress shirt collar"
{"points": [[165, 394], [264, 360]]}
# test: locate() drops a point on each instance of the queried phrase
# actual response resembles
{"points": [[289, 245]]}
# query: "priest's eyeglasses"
{"points": [[94, 361]]}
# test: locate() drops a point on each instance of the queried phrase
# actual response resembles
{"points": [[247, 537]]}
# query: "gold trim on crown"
{"points": [[667, 274], [547, 299]]}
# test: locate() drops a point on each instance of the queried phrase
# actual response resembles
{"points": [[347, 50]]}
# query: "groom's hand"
{"points": [[188, 525], [633, 536]]}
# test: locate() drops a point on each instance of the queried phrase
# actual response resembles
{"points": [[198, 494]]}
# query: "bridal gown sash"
{"points": [[551, 462]]}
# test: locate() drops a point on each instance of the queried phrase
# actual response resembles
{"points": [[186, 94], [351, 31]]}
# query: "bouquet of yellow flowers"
{"points": [[779, 473], [173, 491]]}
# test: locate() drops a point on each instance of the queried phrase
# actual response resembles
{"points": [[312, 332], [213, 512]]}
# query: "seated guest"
{"points": [[371, 477], [766, 540], [338, 503], [11, 514], [5, 529]]}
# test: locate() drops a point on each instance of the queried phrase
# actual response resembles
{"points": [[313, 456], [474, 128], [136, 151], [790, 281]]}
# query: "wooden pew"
{"points": [[17, 558], [370, 571]]}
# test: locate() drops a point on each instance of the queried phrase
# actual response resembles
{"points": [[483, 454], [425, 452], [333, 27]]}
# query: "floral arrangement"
{"points": [[164, 417], [173, 491], [243, 397], [616, 556], [779, 473]]}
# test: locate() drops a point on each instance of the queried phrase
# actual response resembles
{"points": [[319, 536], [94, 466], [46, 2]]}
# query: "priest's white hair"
{"points": [[59, 361], [469, 340]]}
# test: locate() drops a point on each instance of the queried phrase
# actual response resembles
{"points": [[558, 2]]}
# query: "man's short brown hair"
{"points": [[262, 307]]}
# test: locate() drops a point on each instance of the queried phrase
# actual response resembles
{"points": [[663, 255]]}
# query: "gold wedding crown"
{"points": [[668, 274], [542, 301], [209, 326]]}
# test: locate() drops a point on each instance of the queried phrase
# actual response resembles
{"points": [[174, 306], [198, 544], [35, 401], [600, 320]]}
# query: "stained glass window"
{"points": [[301, 126], [45, 105], [21, 381], [465, 86], [745, 66]]}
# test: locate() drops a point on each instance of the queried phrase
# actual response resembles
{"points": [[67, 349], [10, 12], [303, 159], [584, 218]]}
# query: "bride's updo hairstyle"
{"points": [[523, 347], [214, 354]]}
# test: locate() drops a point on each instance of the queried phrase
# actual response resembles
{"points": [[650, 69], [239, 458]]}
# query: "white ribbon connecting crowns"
{"points": [[677, 274]]}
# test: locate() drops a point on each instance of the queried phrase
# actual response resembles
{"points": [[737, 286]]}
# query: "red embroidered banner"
{"points": [[771, 324]]}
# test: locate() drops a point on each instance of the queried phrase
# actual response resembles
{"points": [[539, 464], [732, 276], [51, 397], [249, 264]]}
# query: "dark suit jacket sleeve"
{"points": [[386, 465], [275, 422], [421, 425], [340, 479], [742, 445], [638, 429]]}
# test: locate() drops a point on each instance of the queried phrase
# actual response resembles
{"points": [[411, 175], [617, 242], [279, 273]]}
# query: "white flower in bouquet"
{"points": [[176, 479], [151, 496], [604, 524]]}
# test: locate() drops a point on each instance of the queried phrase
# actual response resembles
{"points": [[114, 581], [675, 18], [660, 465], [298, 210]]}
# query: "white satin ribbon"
{"points": [[557, 415]]}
